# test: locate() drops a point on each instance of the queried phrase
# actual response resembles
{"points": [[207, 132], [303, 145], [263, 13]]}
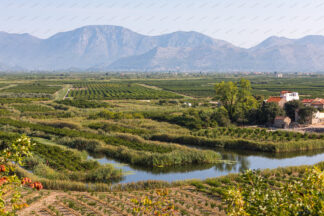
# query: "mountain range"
{"points": [[114, 48]]}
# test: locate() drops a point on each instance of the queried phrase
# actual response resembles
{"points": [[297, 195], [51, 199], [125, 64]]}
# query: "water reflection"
{"points": [[155, 170], [241, 160]]}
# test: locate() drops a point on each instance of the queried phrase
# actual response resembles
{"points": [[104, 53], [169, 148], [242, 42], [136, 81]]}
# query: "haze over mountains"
{"points": [[114, 48]]}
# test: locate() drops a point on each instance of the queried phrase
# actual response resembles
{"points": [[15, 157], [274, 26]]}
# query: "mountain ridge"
{"points": [[106, 47]]}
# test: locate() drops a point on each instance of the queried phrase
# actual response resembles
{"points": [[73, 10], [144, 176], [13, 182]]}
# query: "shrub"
{"points": [[83, 103], [80, 143], [103, 174], [60, 124], [254, 196], [10, 183]]}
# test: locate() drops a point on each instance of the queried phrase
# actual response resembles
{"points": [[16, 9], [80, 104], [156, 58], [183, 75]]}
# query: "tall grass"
{"points": [[174, 158], [58, 184], [244, 144]]}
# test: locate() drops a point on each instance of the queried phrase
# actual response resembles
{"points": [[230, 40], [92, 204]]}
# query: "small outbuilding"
{"points": [[281, 122]]}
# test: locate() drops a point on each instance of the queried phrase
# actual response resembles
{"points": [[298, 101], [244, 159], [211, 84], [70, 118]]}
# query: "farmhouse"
{"points": [[317, 103], [289, 96], [285, 96]]}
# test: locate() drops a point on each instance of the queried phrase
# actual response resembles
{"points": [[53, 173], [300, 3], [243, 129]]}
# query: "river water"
{"points": [[233, 162]]}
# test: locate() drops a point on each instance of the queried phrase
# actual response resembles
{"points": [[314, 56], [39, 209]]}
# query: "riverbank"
{"points": [[236, 143], [188, 197], [137, 176]]}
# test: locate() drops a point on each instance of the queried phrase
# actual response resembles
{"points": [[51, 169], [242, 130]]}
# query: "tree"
{"points": [[221, 117], [269, 111], [226, 93], [235, 97], [306, 114], [10, 157], [291, 107], [246, 101]]}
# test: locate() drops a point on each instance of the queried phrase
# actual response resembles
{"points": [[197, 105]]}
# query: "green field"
{"points": [[108, 91], [261, 85], [33, 88], [151, 124]]}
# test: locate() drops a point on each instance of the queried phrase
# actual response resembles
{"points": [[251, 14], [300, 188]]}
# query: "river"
{"points": [[234, 161]]}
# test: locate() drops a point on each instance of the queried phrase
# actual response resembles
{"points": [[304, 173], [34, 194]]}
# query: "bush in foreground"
{"points": [[255, 195], [10, 183]]}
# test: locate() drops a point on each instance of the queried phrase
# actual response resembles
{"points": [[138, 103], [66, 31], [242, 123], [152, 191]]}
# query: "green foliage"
{"points": [[55, 162], [127, 148], [221, 117], [61, 124], [83, 103], [106, 114], [262, 85], [108, 127], [291, 107], [305, 114], [194, 118], [61, 159], [33, 108], [102, 174], [255, 139], [235, 97], [255, 195], [5, 100], [265, 114], [10, 157], [80, 143], [4, 112], [105, 91], [257, 134], [6, 138], [227, 93], [33, 88], [177, 157], [111, 140]]}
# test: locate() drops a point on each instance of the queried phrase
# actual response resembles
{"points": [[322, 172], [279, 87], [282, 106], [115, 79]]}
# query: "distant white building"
{"points": [[289, 96], [279, 75]]}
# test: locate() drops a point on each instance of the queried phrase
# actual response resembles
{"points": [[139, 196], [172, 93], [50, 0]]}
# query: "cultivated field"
{"points": [[186, 201], [157, 125]]}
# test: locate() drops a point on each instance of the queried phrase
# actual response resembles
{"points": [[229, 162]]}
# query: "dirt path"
{"points": [[42, 203], [161, 89], [62, 93], [8, 86]]}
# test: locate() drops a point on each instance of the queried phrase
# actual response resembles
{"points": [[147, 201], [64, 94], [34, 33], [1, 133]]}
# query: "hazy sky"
{"points": [[241, 22]]}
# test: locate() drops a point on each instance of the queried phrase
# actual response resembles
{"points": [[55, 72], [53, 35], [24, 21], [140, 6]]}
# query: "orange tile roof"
{"points": [[274, 99], [284, 92], [314, 101], [318, 102], [307, 100], [280, 117]]}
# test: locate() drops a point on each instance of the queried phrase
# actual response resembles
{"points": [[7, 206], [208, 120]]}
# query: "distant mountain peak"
{"points": [[314, 39], [110, 47], [273, 41]]}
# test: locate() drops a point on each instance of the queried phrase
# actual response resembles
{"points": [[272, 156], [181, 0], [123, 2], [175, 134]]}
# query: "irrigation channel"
{"points": [[233, 162]]}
